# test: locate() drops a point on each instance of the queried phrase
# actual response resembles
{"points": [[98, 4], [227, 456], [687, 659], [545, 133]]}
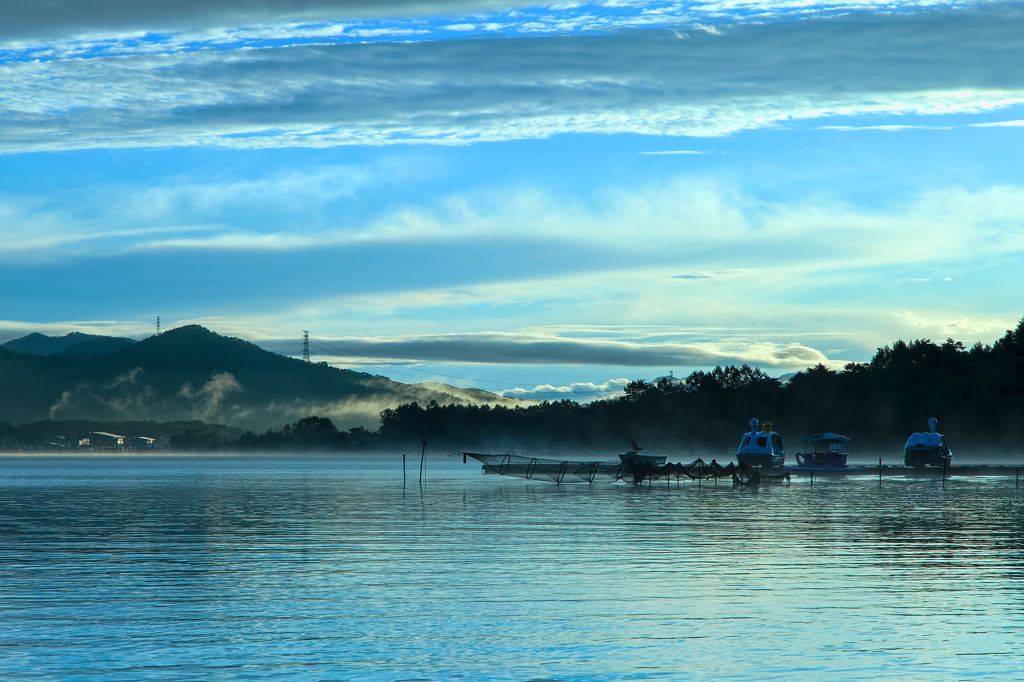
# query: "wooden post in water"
{"points": [[879, 472], [1018, 478], [423, 456], [403, 469], [944, 463]]}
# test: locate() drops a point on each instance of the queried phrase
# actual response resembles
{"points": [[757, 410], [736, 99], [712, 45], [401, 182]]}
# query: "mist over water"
{"points": [[328, 568]]}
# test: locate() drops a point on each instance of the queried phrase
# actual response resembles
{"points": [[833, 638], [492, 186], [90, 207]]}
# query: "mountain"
{"points": [[75, 344], [193, 373]]}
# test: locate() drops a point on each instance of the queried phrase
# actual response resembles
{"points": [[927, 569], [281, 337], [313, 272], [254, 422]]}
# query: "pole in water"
{"points": [[403, 469], [423, 455], [812, 477], [944, 463], [1018, 478], [879, 472]]}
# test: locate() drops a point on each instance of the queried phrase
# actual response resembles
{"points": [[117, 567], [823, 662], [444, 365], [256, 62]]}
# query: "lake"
{"points": [[329, 568]]}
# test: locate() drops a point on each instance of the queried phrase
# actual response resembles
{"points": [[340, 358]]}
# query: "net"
{"points": [[570, 471], [557, 470]]}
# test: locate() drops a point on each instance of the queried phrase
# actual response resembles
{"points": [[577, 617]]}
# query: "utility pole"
{"points": [[305, 345]]}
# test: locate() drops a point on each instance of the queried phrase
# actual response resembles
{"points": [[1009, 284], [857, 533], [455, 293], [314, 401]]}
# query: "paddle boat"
{"points": [[824, 451], [928, 448], [761, 448]]}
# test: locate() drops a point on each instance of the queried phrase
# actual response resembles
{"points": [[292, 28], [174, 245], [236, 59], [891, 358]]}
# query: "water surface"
{"points": [[329, 568]]}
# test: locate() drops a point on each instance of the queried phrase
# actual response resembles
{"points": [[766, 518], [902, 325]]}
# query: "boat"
{"points": [[637, 456], [761, 448], [928, 448], [825, 450]]}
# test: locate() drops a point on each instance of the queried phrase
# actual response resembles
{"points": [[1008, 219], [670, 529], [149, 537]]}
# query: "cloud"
{"points": [[999, 124], [580, 391], [886, 128], [289, 189], [123, 397], [938, 327], [514, 348], [702, 275], [11, 329], [208, 400], [679, 151], [195, 211], [30, 21], [464, 91]]}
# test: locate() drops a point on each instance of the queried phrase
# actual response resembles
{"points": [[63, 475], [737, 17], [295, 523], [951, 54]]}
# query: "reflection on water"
{"points": [[328, 569]]}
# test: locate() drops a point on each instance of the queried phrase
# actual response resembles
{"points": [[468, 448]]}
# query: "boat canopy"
{"points": [[827, 437], [927, 439]]}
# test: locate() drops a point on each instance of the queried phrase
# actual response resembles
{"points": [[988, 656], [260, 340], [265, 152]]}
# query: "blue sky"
{"points": [[545, 200]]}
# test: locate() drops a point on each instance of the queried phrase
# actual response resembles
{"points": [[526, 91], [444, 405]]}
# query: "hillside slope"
{"points": [[193, 373]]}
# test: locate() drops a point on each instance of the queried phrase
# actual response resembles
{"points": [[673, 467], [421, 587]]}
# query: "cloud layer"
{"points": [[33, 21], [499, 348], [704, 83]]}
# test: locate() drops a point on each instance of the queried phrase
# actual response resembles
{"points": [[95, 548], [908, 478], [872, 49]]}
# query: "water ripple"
{"points": [[329, 569]]}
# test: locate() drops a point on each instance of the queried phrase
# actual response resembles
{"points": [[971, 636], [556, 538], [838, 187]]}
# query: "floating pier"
{"points": [[638, 472]]}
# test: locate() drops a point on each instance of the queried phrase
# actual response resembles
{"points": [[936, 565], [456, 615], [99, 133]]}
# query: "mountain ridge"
{"points": [[191, 372], [74, 344]]}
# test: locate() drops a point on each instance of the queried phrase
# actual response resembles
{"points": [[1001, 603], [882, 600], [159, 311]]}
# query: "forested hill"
{"points": [[977, 394], [73, 345], [192, 373]]}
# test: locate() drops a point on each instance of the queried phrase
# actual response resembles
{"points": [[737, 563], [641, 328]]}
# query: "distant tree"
{"points": [[637, 389], [312, 432]]}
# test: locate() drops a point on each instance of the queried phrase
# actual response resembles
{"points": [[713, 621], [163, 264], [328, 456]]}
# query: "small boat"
{"points": [[825, 451], [927, 448], [761, 448], [637, 456]]}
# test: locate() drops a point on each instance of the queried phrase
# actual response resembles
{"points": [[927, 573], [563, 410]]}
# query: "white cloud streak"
{"points": [[999, 124], [579, 391]]}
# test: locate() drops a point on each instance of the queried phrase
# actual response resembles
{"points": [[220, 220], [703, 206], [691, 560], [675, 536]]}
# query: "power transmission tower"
{"points": [[158, 325], [305, 345]]}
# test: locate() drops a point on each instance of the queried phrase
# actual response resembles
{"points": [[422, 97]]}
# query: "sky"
{"points": [[542, 200]]}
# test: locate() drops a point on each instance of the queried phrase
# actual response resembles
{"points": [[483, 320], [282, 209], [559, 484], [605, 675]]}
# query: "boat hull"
{"points": [[921, 457], [637, 458], [761, 459], [827, 460]]}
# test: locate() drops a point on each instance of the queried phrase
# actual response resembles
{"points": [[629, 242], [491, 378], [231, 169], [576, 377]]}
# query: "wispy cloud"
{"points": [[579, 391], [938, 328], [999, 124], [669, 153], [891, 128]]}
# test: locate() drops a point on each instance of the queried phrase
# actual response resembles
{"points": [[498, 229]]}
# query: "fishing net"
{"points": [[637, 471], [557, 470]]}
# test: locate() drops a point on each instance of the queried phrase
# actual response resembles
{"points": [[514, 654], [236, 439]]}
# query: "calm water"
{"points": [[328, 569]]}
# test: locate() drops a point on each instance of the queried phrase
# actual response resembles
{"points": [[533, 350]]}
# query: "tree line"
{"points": [[976, 393]]}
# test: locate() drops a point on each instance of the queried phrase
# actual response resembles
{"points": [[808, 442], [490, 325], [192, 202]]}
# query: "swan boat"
{"points": [[927, 448], [761, 448]]}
